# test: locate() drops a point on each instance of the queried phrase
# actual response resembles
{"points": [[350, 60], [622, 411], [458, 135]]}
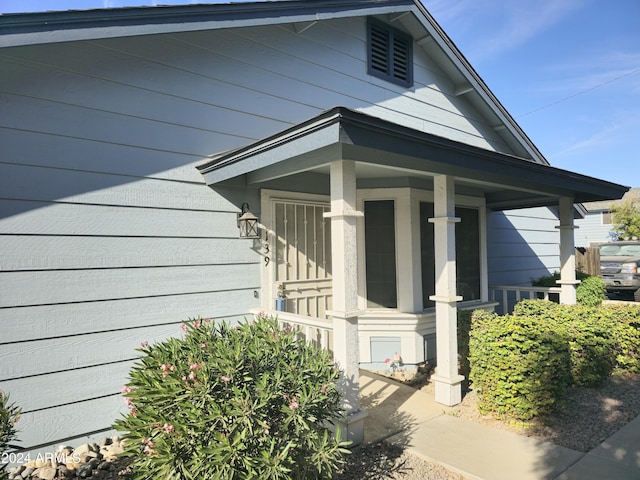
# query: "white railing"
{"points": [[318, 331], [512, 294]]}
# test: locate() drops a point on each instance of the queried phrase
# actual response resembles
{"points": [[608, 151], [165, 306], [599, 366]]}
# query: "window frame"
{"points": [[407, 202]]}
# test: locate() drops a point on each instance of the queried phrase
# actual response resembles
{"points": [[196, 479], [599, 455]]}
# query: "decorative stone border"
{"points": [[90, 460]]}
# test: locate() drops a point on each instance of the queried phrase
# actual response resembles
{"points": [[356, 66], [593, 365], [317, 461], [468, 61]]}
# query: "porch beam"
{"points": [[568, 279], [448, 388], [344, 263]]}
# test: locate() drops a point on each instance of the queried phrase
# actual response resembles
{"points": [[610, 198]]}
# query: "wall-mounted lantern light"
{"points": [[247, 223]]}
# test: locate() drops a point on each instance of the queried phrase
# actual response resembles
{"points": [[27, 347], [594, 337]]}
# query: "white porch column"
{"points": [[344, 273], [447, 380], [567, 280]]}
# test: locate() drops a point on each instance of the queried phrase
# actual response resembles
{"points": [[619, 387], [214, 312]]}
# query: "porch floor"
{"points": [[413, 420]]}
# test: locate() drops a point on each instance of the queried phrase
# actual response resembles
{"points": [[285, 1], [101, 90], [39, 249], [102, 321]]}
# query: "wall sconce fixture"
{"points": [[247, 223]]}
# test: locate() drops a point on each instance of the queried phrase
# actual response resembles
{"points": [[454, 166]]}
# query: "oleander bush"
{"points": [[223, 402], [9, 415]]}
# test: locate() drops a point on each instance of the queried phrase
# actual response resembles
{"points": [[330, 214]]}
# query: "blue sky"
{"points": [[567, 70]]}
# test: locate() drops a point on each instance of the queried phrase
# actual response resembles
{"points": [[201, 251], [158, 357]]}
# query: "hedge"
{"points": [[521, 364]]}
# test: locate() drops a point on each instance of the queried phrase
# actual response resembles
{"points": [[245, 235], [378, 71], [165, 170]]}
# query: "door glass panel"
{"points": [[380, 253]]}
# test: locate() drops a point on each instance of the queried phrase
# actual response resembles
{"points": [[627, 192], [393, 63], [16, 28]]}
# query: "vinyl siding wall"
{"points": [[522, 245], [590, 229], [109, 235]]}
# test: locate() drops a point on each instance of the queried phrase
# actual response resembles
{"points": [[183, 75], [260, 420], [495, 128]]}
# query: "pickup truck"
{"points": [[620, 267]]}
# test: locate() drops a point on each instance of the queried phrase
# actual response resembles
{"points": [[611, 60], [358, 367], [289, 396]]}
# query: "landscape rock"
{"points": [[47, 473], [89, 460]]}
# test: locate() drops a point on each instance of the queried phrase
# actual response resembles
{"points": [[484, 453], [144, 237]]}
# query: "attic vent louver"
{"points": [[389, 53]]}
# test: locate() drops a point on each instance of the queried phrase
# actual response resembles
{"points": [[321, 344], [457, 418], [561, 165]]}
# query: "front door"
{"points": [[303, 257]]}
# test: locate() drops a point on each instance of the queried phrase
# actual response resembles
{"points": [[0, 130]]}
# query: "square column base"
{"points": [[351, 427], [448, 390]]}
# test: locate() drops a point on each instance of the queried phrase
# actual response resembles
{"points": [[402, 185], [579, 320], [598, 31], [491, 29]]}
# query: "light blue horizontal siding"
{"points": [[522, 245], [108, 234], [591, 230]]}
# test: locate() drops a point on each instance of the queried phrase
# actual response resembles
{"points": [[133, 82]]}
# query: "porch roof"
{"points": [[387, 154]]}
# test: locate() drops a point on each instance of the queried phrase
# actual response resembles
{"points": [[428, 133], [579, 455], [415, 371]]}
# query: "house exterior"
{"points": [[596, 227], [391, 188]]}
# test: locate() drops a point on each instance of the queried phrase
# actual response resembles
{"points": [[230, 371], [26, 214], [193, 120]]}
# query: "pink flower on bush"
{"points": [[127, 389], [144, 344], [225, 379], [293, 405], [183, 327], [148, 446], [192, 375], [166, 368], [167, 427]]}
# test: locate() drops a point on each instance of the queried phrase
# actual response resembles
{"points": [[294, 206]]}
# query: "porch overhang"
{"points": [[389, 154]]}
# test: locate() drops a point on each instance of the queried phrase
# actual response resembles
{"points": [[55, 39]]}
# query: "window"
{"points": [[606, 217], [380, 253], [389, 53], [467, 253]]}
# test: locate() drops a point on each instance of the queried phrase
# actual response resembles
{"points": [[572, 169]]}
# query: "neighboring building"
{"points": [[596, 227], [386, 177]]}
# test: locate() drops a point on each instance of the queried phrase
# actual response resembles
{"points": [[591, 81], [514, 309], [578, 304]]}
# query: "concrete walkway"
{"points": [[413, 420]]}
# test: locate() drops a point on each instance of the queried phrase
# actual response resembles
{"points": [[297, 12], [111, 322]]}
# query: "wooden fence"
{"points": [[588, 260]]}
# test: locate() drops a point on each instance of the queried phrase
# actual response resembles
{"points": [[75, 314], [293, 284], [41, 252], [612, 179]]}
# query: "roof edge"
{"points": [[58, 26]]}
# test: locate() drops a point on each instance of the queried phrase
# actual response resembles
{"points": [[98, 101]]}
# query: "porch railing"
{"points": [[318, 331], [508, 295]]}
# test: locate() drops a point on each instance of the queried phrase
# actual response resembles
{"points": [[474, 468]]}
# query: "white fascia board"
{"points": [[115, 31], [456, 57], [270, 154]]}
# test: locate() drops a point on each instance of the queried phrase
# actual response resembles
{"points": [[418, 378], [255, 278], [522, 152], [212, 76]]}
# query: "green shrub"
{"points": [[591, 292], [591, 341], [521, 364], [592, 345], [624, 322], [9, 415], [518, 365], [232, 402], [552, 280]]}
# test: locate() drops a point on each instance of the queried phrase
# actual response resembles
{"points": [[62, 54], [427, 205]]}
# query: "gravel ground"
{"points": [[585, 418]]}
